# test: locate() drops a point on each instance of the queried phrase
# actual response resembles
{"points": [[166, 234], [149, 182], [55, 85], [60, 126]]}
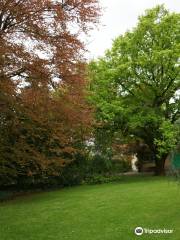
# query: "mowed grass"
{"points": [[99, 212]]}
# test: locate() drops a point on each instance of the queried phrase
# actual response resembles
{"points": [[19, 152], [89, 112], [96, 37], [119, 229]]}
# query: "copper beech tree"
{"points": [[43, 111]]}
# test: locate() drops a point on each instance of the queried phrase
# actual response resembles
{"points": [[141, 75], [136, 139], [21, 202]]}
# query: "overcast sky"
{"points": [[118, 17]]}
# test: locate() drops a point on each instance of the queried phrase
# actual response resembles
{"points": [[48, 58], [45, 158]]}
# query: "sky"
{"points": [[118, 17]]}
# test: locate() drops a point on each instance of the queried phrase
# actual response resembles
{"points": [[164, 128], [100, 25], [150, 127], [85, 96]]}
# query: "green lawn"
{"points": [[99, 212]]}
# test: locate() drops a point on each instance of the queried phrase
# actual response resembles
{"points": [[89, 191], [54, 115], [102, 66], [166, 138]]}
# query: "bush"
{"points": [[101, 165], [120, 166], [75, 172], [95, 170], [99, 179]]}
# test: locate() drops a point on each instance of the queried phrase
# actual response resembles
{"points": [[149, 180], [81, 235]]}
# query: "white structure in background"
{"points": [[134, 163]]}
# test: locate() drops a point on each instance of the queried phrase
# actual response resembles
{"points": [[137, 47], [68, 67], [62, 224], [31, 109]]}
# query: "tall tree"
{"points": [[136, 85], [42, 84]]}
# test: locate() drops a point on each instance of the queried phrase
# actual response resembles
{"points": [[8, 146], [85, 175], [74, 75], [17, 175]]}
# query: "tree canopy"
{"points": [[135, 86], [43, 111]]}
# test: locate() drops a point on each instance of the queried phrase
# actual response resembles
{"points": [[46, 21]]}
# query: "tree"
{"points": [[43, 33], [44, 112], [135, 86]]}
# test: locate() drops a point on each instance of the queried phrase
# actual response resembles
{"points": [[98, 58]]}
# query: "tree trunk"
{"points": [[160, 166]]}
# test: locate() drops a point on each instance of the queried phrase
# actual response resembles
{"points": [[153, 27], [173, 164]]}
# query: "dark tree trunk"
{"points": [[151, 153], [160, 166]]}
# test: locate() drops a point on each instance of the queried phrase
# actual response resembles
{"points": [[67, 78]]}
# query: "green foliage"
{"points": [[100, 164], [121, 166], [100, 179], [169, 135], [100, 169], [75, 172], [135, 85]]}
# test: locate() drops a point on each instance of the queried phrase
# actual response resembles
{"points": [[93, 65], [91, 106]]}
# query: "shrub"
{"points": [[101, 165], [99, 179], [121, 166]]}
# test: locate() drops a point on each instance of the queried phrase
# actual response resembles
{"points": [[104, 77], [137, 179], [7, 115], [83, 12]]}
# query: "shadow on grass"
{"points": [[7, 195]]}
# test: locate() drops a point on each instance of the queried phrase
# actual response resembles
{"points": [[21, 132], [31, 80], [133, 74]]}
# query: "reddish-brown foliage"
{"points": [[44, 113]]}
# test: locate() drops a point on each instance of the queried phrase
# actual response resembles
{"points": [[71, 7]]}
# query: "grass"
{"points": [[99, 212]]}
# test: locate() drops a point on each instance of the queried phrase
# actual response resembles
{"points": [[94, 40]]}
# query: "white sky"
{"points": [[118, 17]]}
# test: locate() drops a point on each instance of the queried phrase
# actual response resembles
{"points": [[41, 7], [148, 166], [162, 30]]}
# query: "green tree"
{"points": [[135, 86]]}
